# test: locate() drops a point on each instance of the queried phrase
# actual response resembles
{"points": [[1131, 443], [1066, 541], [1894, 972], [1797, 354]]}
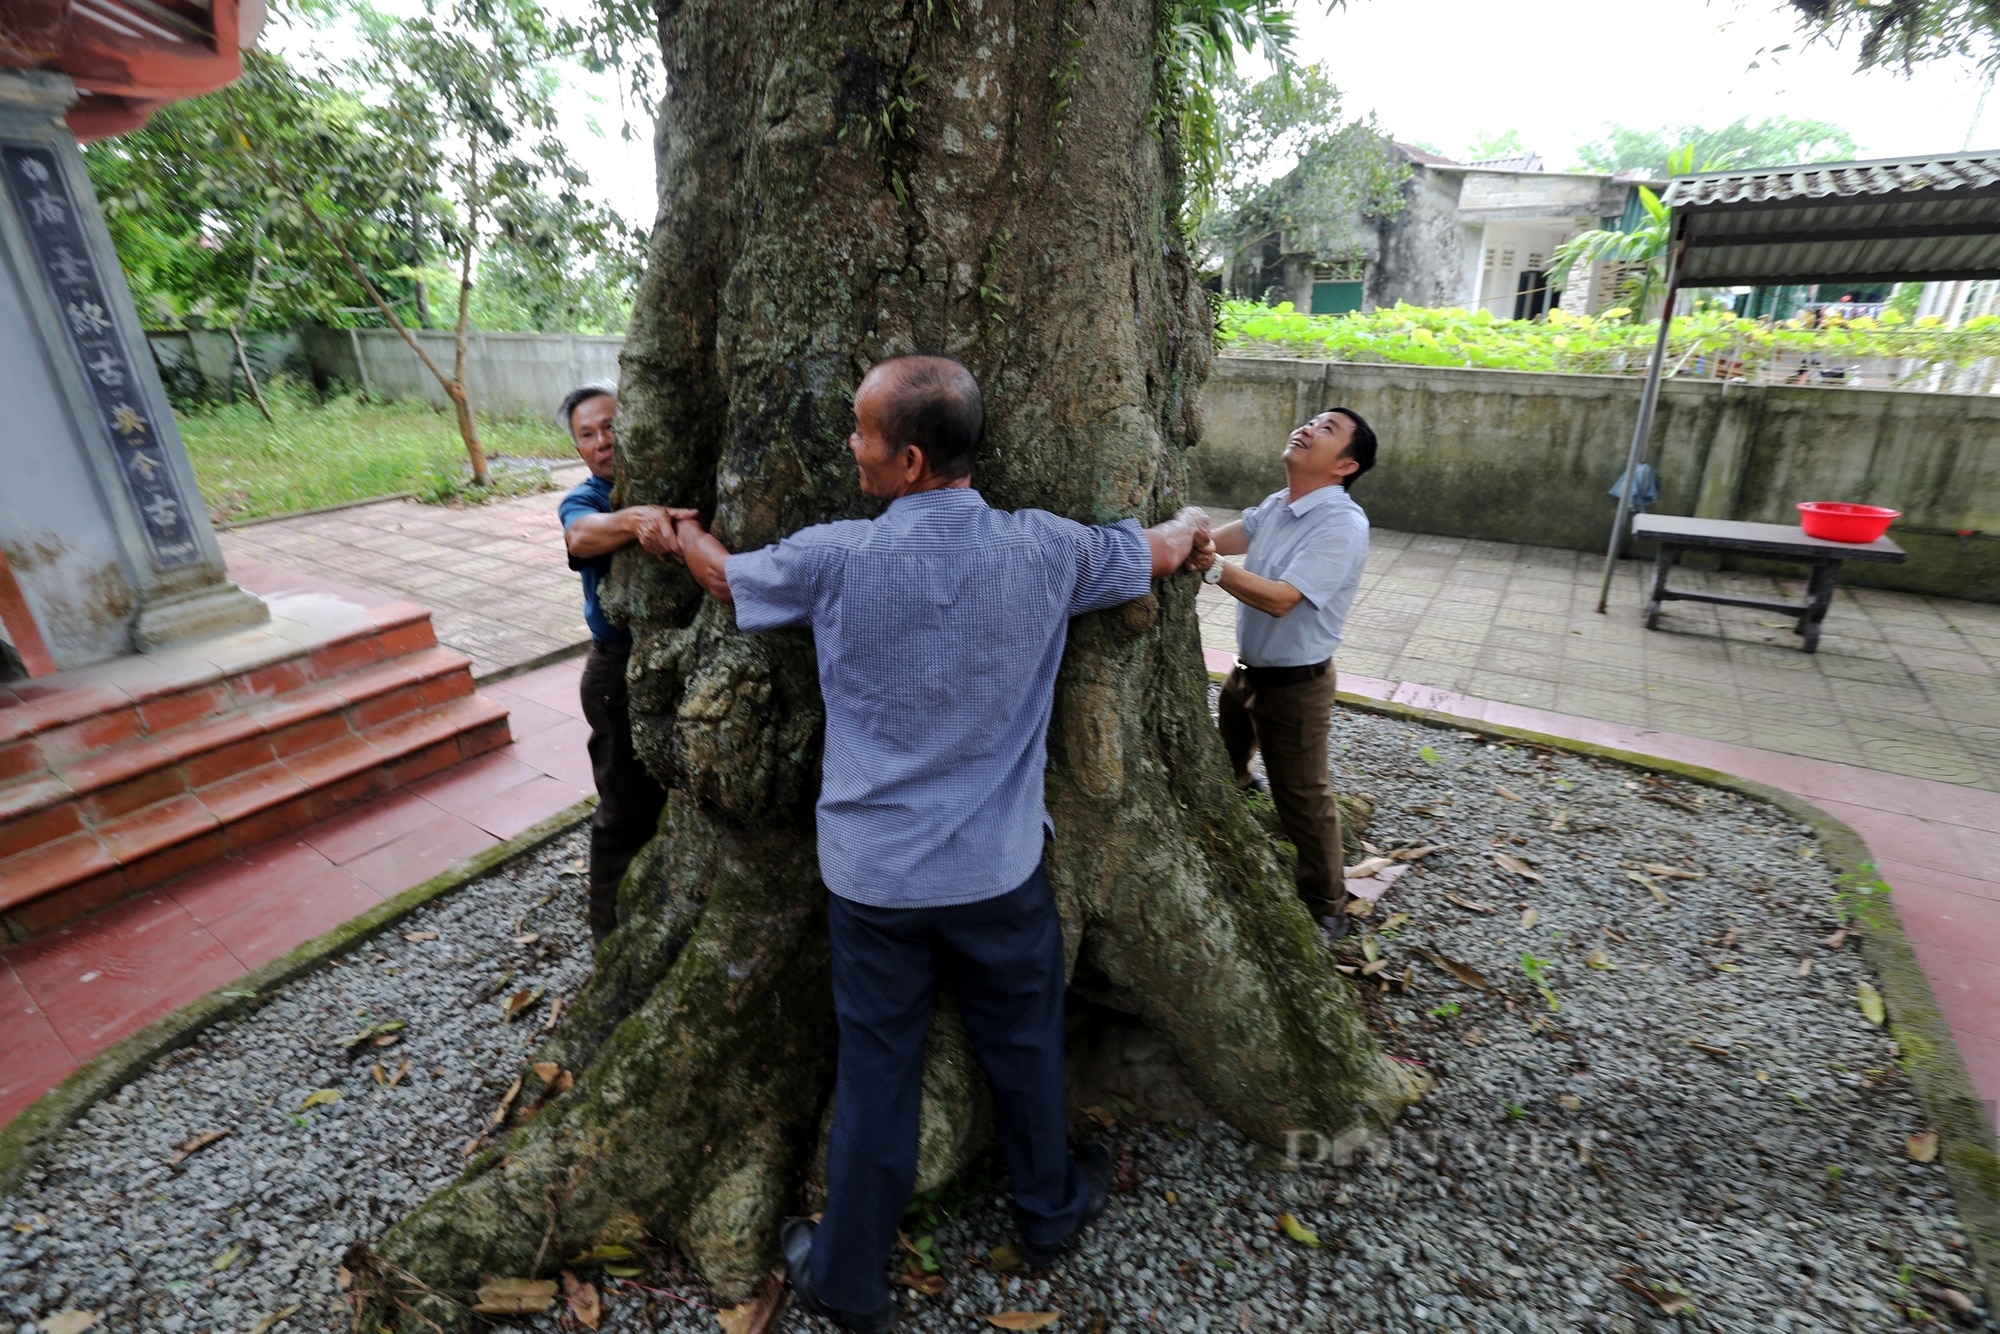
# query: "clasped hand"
{"points": [[657, 528], [1202, 554]]}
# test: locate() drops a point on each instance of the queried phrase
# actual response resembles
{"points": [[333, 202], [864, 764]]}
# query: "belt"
{"points": [[1283, 676]]}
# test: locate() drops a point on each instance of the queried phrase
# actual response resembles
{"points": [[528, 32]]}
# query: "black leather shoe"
{"points": [[1256, 784], [1096, 1161], [1334, 926], [795, 1238]]}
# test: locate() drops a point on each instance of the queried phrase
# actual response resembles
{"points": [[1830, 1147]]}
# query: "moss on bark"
{"points": [[841, 181]]}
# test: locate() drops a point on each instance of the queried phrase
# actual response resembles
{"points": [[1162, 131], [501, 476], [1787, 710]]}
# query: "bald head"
{"points": [[933, 403]]}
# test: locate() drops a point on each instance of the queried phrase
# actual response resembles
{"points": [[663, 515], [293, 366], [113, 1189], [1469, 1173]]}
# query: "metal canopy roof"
{"points": [[1891, 220]]}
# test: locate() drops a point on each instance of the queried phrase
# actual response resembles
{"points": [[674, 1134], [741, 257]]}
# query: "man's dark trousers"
{"points": [[1003, 958], [1291, 722], [628, 800]]}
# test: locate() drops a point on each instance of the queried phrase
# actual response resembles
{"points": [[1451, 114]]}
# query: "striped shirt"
{"points": [[939, 628]]}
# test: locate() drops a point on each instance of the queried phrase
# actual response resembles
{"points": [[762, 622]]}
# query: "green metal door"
{"points": [[1336, 298]]}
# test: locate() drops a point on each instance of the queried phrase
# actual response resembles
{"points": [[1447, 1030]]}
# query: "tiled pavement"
{"points": [[454, 561]]}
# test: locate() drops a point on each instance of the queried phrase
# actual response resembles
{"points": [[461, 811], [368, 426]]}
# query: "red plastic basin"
{"points": [[1835, 522]]}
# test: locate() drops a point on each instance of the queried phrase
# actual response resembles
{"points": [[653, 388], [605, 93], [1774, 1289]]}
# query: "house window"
{"points": [[1338, 289], [1531, 294]]}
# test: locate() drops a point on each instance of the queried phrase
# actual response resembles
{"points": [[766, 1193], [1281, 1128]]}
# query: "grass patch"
{"points": [[329, 451]]}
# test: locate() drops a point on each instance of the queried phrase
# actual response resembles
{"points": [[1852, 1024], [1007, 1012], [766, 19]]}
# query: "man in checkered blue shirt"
{"points": [[938, 628]]}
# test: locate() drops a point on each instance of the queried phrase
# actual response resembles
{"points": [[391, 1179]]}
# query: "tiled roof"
{"points": [[1843, 179], [1909, 219]]}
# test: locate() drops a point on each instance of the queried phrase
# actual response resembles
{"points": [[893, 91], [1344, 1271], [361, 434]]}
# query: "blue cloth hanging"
{"points": [[1645, 493]]}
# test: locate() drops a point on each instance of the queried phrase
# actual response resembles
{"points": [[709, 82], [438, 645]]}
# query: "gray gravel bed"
{"points": [[1577, 1137]]}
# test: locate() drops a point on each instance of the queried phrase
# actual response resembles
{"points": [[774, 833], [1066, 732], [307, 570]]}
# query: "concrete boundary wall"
{"points": [[510, 374], [1509, 456], [1515, 456]]}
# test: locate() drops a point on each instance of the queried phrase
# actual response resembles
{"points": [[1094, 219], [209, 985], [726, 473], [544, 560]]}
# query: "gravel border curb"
{"points": [[27, 1136], [1967, 1147]]}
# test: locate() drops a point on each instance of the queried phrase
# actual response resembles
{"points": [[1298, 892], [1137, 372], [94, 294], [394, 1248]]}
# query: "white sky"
{"points": [[1448, 71], [1560, 71]]}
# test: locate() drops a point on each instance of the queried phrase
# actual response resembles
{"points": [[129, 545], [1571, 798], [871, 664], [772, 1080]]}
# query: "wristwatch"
{"points": [[1213, 574]]}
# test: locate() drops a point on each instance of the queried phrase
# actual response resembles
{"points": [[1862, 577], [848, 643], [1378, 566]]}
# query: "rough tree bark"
{"points": [[841, 181]]}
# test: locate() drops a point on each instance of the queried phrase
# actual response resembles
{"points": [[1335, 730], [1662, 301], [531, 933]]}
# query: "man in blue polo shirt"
{"points": [[628, 800], [938, 628]]}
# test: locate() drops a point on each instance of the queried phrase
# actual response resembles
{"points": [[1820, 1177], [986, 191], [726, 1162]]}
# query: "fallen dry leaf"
{"points": [[1569, 1102], [1670, 872], [196, 1143], [1101, 1116], [1708, 1047], [1669, 1301], [1473, 1038], [1297, 1231], [1006, 1258], [1507, 861], [914, 1277], [520, 1003], [401, 1070], [1922, 1148], [1870, 1001], [1464, 972], [420, 936], [1368, 866], [1529, 917], [1470, 904], [271, 1321], [71, 1321], [1956, 1300], [1511, 796], [1024, 1319], [320, 1098], [583, 1300], [546, 1071], [1373, 967], [516, 1296], [1601, 961], [1560, 825], [528, 939], [1393, 921], [507, 1101], [1837, 939], [380, 1073], [1415, 854], [1805, 967]]}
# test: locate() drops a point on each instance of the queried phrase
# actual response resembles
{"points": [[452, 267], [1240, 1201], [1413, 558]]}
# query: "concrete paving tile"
{"points": [[1699, 722], [37, 1058], [1917, 758], [1441, 675], [1429, 648], [432, 847], [292, 912]]}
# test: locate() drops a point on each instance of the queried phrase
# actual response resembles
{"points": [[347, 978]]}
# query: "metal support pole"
{"points": [[1648, 400]]}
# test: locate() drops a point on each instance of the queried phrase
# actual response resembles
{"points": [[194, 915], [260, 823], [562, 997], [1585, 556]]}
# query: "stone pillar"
{"points": [[101, 524]]}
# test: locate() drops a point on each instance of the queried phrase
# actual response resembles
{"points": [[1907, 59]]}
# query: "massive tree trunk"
{"points": [[841, 181]]}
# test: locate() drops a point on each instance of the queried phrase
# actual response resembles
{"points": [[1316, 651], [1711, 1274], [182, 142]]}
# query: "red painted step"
{"points": [[118, 776]]}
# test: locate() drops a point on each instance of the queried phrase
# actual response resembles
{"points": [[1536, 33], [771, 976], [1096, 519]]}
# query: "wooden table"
{"points": [[1771, 541]]}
